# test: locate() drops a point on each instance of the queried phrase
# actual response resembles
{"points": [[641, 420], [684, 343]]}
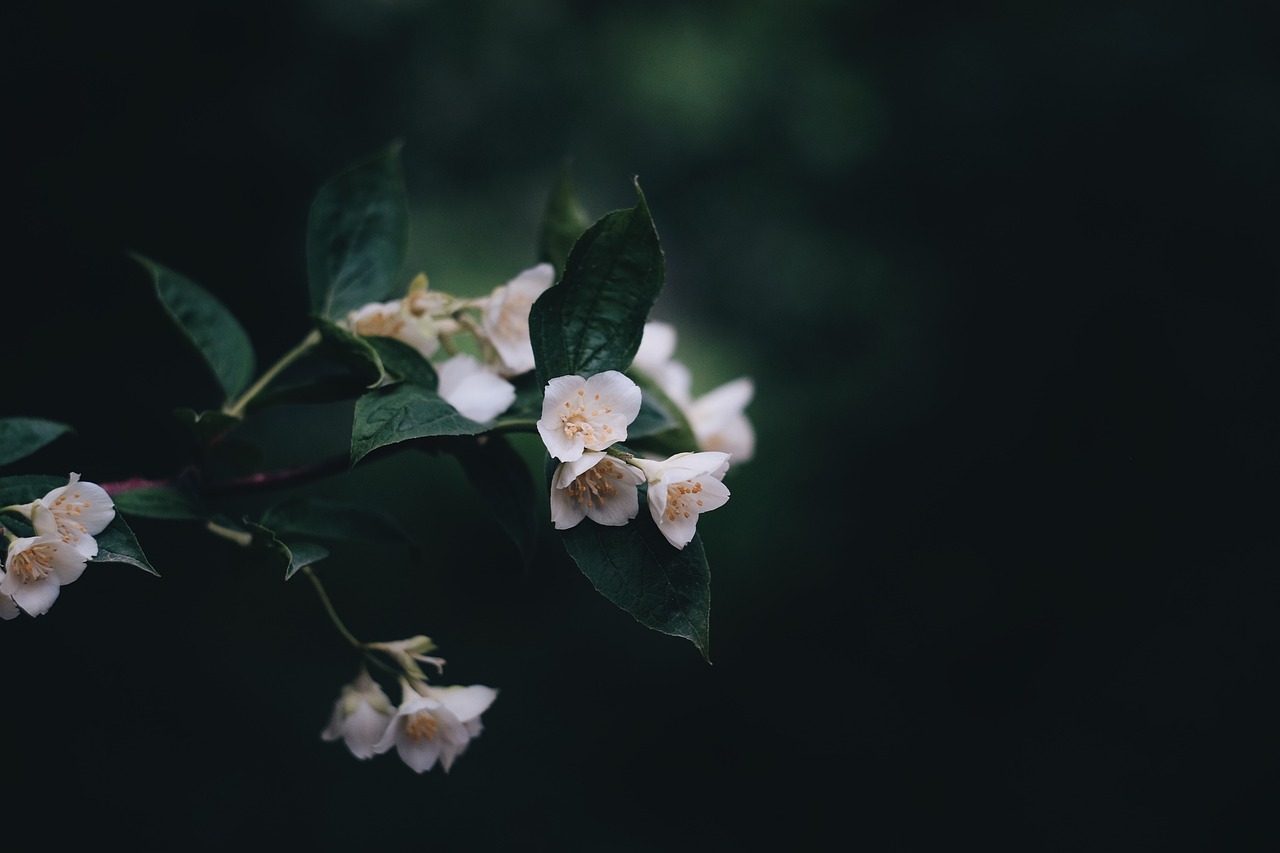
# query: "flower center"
{"points": [[64, 514], [33, 564], [421, 726], [683, 497], [593, 486], [577, 420]]}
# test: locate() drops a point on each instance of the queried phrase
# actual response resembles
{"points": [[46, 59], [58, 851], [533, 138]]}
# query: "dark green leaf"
{"points": [[21, 437], [352, 351], [160, 502], [592, 320], [665, 589], [267, 544], [208, 325], [327, 519], [404, 362], [501, 477], [117, 544], [357, 231], [304, 554], [563, 221], [23, 489], [322, 389], [402, 412]]}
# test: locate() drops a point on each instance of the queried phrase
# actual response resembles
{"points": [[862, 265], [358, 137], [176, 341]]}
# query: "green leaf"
{"points": [[117, 544], [404, 362], [21, 437], [357, 231], [665, 589], [501, 477], [304, 554], [267, 544], [402, 412], [563, 221], [352, 351], [23, 489], [592, 320], [322, 389], [208, 325], [160, 502], [327, 519]]}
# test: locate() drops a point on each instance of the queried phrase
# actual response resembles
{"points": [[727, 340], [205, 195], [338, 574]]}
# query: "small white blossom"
{"points": [[594, 486], [719, 421], [360, 716], [80, 511], [35, 567], [473, 388], [435, 723], [506, 317], [683, 487], [412, 320], [587, 414]]}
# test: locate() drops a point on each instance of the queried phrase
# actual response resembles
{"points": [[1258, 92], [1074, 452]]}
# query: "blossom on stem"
{"points": [[435, 723], [360, 716], [587, 414], [594, 486], [683, 487], [506, 317], [473, 388], [80, 511], [36, 567]]}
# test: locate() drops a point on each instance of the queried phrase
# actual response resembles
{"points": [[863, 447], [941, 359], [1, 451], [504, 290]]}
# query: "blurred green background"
{"points": [[1002, 570]]}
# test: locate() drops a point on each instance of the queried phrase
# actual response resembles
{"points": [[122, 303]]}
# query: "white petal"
{"points": [[566, 511], [35, 598], [616, 391], [657, 345], [619, 508], [363, 729], [475, 391], [566, 472], [678, 531], [421, 754], [87, 503], [676, 382], [465, 703], [8, 607]]}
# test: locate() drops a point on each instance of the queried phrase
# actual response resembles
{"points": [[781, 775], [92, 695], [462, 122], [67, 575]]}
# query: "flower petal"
{"points": [[464, 702], [474, 390]]}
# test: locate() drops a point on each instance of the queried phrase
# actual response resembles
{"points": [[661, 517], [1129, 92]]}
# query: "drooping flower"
{"points": [[683, 487], [594, 486], [36, 567], [506, 317], [473, 388], [435, 723], [360, 716], [587, 414]]}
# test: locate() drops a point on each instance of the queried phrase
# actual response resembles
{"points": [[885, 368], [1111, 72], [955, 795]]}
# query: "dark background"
{"points": [[1002, 572]]}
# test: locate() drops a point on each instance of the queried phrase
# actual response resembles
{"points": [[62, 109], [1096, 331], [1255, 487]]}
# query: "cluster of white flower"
{"points": [[431, 723], [583, 418], [429, 321], [65, 522]]}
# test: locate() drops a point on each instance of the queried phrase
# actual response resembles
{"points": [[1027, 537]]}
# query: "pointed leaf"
{"points": [[117, 544], [563, 221], [304, 554], [404, 362], [357, 231], [208, 426], [501, 477], [665, 589], [593, 318], [267, 544], [208, 325], [352, 351], [21, 437], [402, 412]]}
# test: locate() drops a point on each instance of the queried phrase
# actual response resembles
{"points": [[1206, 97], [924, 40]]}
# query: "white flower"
{"points": [[718, 418], [587, 414], [683, 487], [37, 566], [474, 389], [719, 421], [594, 486], [506, 317], [435, 723], [80, 511], [411, 320], [360, 716]]}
